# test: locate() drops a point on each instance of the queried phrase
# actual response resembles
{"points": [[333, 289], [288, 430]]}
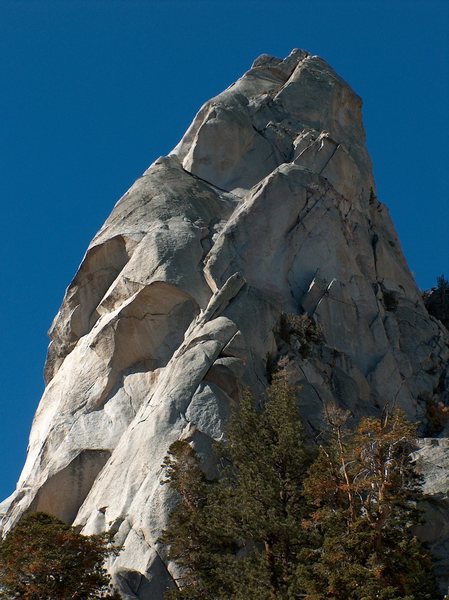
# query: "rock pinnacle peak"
{"points": [[265, 211]]}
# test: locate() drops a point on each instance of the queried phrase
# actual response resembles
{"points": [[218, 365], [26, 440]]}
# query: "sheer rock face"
{"points": [[266, 206]]}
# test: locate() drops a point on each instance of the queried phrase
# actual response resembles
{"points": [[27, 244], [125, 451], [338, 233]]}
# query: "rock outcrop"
{"points": [[264, 216]]}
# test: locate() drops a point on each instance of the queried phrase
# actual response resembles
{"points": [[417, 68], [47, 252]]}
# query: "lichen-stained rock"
{"points": [[261, 228]]}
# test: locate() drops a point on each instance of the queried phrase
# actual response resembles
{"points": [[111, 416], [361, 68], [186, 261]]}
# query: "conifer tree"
{"points": [[272, 526], [365, 492], [196, 544], [437, 300], [241, 537], [42, 558]]}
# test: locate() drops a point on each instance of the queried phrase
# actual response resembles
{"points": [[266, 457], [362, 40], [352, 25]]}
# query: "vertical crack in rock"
{"points": [[265, 208]]}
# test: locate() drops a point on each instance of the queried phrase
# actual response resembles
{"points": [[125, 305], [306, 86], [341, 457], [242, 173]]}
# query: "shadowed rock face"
{"points": [[266, 206]]}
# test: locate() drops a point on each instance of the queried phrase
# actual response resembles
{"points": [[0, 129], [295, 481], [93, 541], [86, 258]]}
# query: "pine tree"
{"points": [[437, 300], [272, 526], [42, 558], [365, 493], [241, 537], [196, 544], [269, 462]]}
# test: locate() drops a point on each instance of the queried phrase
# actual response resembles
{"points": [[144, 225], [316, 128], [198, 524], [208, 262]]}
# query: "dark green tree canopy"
{"points": [[278, 524], [437, 300], [364, 493], [42, 558], [240, 536]]}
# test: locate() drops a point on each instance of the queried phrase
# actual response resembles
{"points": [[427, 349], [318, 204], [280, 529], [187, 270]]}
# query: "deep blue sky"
{"points": [[93, 91]]}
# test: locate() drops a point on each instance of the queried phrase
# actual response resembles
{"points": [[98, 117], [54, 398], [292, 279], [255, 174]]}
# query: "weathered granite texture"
{"points": [[266, 206]]}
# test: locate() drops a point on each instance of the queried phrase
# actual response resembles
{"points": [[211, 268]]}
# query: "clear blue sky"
{"points": [[93, 91]]}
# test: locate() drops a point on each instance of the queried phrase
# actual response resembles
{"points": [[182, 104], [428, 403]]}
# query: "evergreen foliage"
{"points": [[240, 537], [278, 525], [44, 559], [365, 494], [437, 300], [198, 544]]}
